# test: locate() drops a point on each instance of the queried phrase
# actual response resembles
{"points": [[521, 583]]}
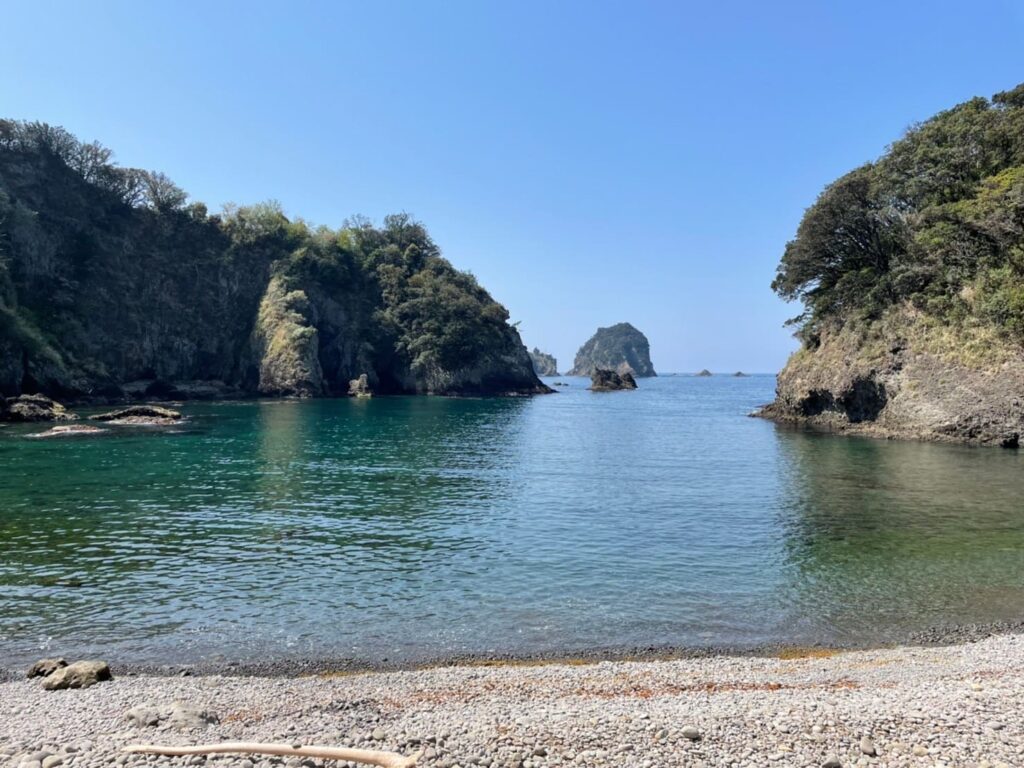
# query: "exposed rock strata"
{"points": [[907, 379]]}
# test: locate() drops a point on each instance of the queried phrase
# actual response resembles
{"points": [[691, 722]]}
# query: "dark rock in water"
{"points": [[359, 387], [45, 667], [621, 348], [81, 674], [140, 414], [69, 430], [30, 408], [740, 375], [543, 363], [603, 380], [704, 372]]}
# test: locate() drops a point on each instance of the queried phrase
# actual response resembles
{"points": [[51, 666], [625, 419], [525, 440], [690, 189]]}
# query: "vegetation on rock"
{"points": [[620, 347], [112, 284], [911, 273]]}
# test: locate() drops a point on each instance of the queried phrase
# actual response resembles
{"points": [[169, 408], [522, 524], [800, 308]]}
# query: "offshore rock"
{"points": [[140, 414], [360, 387], [30, 408], [620, 347], [603, 380], [543, 363]]}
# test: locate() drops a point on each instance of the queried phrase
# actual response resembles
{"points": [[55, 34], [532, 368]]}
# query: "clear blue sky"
{"points": [[590, 162]]}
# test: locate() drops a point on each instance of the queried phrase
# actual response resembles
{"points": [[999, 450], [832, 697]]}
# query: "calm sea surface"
{"points": [[412, 527]]}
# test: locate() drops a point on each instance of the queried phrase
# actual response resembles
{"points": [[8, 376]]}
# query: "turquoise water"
{"points": [[412, 527]]}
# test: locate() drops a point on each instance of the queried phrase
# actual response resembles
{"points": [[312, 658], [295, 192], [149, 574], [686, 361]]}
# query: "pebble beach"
{"points": [[958, 705]]}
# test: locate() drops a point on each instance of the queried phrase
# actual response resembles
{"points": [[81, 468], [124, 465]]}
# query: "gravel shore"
{"points": [[956, 705]]}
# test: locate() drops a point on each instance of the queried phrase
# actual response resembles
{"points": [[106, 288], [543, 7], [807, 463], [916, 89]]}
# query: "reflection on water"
{"points": [[882, 533], [423, 526]]}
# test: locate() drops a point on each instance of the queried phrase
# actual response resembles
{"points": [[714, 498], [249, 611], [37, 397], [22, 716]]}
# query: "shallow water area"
{"points": [[424, 527]]}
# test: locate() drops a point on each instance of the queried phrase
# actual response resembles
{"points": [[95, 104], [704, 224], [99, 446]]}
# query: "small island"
{"points": [[620, 347], [704, 372], [543, 363]]}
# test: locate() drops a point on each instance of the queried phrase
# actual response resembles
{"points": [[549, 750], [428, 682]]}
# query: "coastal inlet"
{"points": [[408, 528]]}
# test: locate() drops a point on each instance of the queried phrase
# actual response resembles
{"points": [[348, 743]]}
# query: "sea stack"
{"points": [[621, 348], [543, 363]]}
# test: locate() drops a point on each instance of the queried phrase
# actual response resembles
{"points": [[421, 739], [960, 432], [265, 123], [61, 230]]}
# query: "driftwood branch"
{"points": [[368, 756]]}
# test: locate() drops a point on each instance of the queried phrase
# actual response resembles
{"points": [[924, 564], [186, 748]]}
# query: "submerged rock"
{"points": [[140, 414], [69, 430], [30, 408], [360, 387], [81, 674], [602, 380], [45, 667], [620, 347]]}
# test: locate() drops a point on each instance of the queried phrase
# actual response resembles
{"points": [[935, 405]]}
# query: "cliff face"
{"points": [[621, 348], [908, 377], [543, 363], [112, 288], [911, 275]]}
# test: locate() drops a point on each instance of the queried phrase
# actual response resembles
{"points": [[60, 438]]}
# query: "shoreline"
{"points": [[297, 667], [953, 705]]}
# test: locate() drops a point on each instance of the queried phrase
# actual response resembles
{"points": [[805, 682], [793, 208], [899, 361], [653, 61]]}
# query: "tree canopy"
{"points": [[937, 222]]}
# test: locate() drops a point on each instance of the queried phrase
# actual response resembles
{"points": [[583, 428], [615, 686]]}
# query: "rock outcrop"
{"points": [[604, 380], [31, 408], [146, 415], [543, 363], [620, 347], [910, 379], [704, 373], [360, 387], [112, 289]]}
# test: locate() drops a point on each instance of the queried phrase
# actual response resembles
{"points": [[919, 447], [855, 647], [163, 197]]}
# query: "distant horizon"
{"points": [[588, 163]]}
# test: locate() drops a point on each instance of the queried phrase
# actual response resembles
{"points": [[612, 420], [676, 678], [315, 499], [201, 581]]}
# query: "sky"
{"points": [[590, 162]]}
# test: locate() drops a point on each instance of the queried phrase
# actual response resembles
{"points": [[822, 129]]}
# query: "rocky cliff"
{"points": [[621, 348], [112, 287], [543, 363], [911, 273], [907, 377]]}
